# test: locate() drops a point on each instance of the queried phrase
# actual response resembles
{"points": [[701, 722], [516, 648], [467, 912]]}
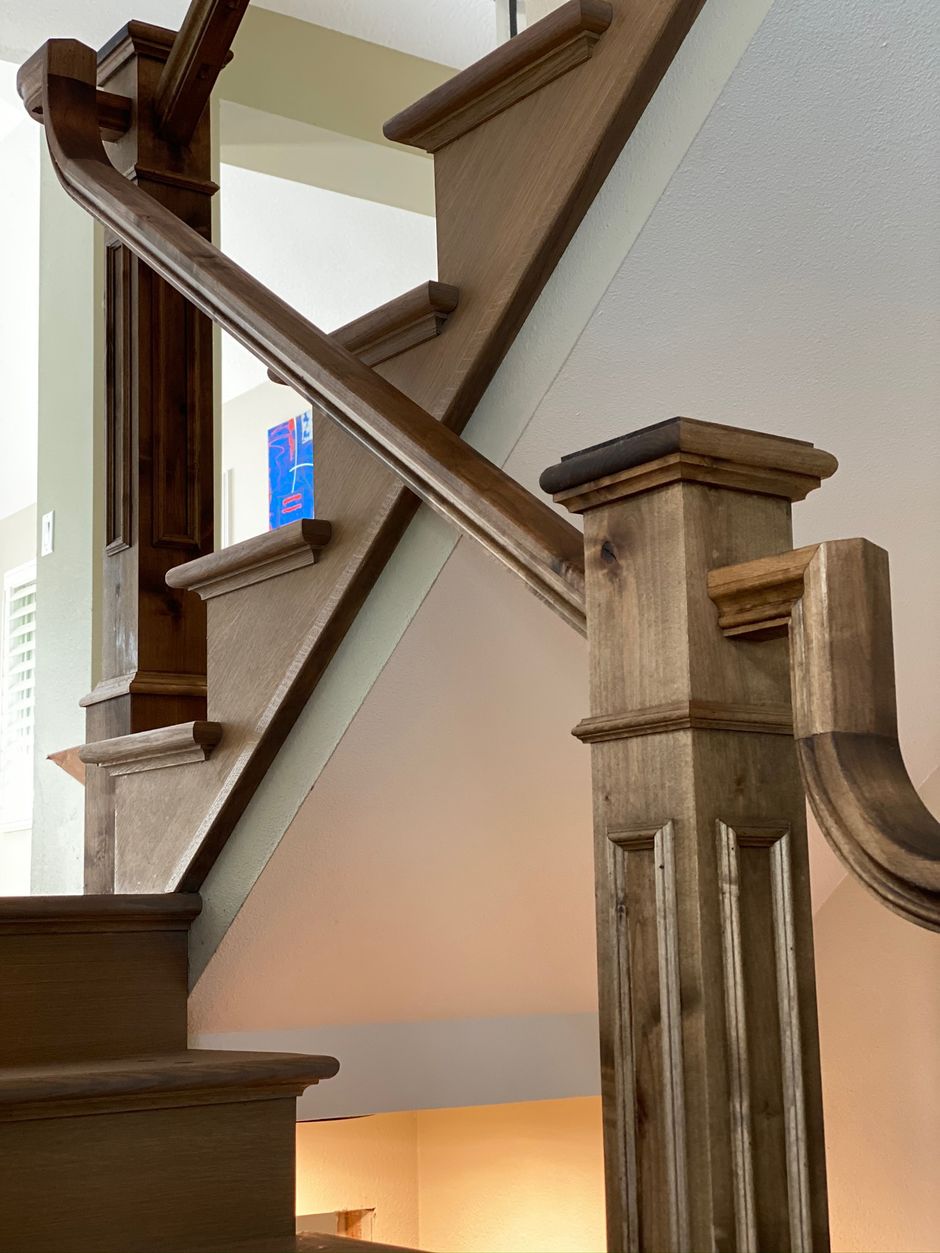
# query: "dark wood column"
{"points": [[159, 441], [709, 1054]]}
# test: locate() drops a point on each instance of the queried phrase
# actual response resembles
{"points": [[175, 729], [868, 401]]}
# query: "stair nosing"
{"points": [[25, 915], [253, 560], [191, 1076], [154, 750], [503, 77]]}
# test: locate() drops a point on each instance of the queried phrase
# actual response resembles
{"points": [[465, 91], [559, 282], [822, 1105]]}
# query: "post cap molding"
{"points": [[685, 449]]}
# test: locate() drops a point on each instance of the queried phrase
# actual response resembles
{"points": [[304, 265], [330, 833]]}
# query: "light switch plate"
{"points": [[48, 534]]}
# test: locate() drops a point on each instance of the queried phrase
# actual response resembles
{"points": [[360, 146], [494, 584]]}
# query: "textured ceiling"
{"points": [[454, 32]]}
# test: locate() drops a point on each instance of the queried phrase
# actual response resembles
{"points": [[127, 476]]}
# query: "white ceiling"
{"points": [[454, 32]]}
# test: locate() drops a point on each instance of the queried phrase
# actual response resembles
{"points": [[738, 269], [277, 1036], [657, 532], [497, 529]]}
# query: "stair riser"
{"points": [[70, 996], [148, 1181]]}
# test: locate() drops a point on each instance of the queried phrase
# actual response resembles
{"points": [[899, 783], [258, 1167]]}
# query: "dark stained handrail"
{"points": [[523, 532]]}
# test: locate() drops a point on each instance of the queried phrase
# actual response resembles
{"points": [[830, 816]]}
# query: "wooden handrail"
{"points": [[199, 52], [837, 600], [450, 476]]}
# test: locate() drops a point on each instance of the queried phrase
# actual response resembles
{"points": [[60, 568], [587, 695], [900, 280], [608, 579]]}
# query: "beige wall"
{"points": [[879, 1013], [362, 1163], [520, 1177], [516, 1177]]}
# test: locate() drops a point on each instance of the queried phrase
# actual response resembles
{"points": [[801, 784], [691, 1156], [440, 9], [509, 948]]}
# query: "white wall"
{"points": [[70, 453], [333, 257], [19, 297]]}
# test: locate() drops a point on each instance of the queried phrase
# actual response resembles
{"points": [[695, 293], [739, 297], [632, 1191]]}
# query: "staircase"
{"points": [[682, 581], [115, 1137]]}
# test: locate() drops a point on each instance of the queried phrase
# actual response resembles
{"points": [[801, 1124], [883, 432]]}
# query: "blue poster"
{"points": [[290, 471]]}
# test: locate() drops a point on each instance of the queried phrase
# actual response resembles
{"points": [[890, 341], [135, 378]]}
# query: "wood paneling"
{"points": [[151, 1180], [712, 1104], [88, 977], [158, 452]]}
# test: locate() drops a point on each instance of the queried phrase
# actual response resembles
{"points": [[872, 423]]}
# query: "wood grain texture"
{"points": [[158, 428], [114, 111], [255, 560], [155, 1080], [396, 326], [691, 451], [845, 718], [543, 52], [197, 57], [709, 1052], [86, 977], [756, 598], [835, 600], [154, 1180], [46, 915], [154, 750]]}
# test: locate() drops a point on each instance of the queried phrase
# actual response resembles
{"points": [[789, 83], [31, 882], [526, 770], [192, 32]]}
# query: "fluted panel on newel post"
{"points": [[709, 1051], [159, 455]]}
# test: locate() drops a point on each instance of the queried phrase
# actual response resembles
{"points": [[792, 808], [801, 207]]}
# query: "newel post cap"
{"points": [[685, 449]]}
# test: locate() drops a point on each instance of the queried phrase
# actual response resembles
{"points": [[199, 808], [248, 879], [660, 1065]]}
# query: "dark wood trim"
{"points": [[482, 500], [601, 464], [199, 53], [172, 911], [154, 750], [254, 560], [559, 42], [115, 113], [396, 326]]}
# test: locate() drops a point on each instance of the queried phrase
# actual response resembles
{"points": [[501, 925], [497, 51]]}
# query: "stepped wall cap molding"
{"points": [[171, 911], [686, 715], [686, 449], [396, 326], [254, 560], [551, 47], [154, 750]]}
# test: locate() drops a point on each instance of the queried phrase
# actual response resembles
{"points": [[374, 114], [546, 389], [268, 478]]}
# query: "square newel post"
{"points": [[159, 447], [709, 1052]]}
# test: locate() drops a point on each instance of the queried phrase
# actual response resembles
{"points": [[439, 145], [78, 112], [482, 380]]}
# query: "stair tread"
{"points": [[160, 1074], [303, 1242], [163, 911]]}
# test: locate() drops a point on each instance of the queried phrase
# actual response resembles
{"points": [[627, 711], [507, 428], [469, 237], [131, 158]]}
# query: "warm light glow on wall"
{"points": [[522, 1178]]}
